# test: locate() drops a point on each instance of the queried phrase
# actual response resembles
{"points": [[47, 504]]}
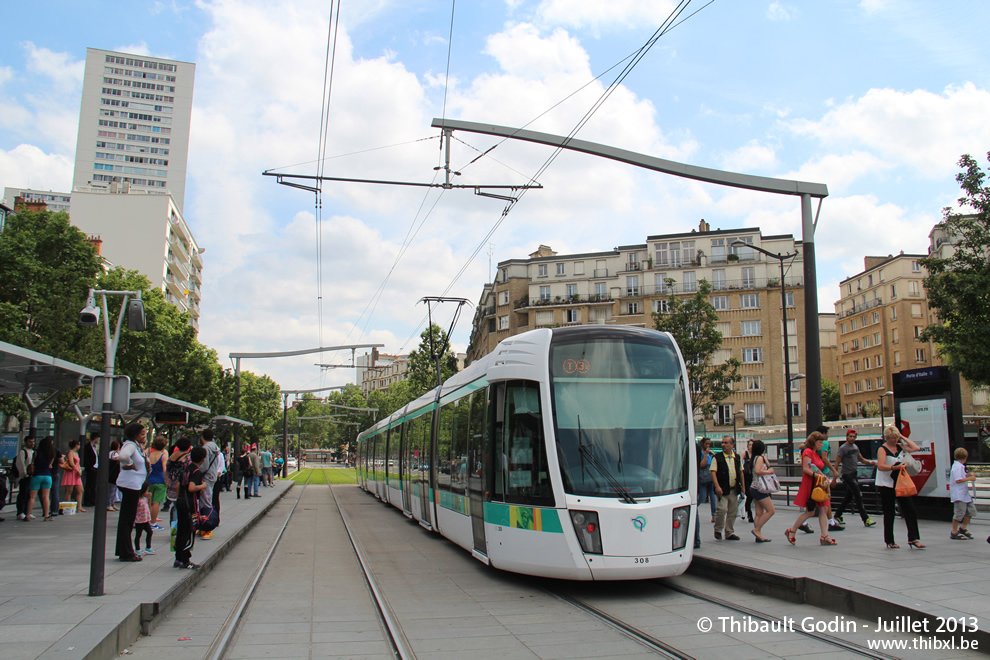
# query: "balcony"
{"points": [[177, 266], [862, 307], [599, 273], [592, 299], [488, 311], [179, 246]]}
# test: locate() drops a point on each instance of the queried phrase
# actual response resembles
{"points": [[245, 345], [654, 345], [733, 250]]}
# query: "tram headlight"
{"points": [[679, 524], [586, 527]]}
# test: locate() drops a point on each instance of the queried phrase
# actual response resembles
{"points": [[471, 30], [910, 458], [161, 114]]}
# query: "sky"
{"points": [[877, 99]]}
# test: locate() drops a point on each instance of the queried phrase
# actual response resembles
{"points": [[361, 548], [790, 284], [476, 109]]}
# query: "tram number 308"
{"points": [[641, 560]]}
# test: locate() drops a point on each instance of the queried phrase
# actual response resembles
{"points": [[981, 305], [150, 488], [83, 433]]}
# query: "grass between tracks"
{"points": [[328, 476]]}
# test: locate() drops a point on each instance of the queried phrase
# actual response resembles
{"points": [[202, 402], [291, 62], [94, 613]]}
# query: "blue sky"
{"points": [[875, 98]]}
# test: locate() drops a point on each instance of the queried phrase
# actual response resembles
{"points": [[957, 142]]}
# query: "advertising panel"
{"points": [[926, 422]]}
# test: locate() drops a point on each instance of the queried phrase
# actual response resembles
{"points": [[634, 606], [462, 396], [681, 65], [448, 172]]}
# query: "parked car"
{"points": [[866, 476], [293, 463]]}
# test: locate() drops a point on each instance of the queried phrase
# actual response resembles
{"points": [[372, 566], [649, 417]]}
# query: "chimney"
{"points": [[96, 242], [21, 204], [703, 226]]}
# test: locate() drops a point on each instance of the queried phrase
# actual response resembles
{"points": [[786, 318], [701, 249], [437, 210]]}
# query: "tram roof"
{"points": [[23, 370], [143, 404]]}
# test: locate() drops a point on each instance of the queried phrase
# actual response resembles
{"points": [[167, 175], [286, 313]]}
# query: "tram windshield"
{"points": [[620, 417]]}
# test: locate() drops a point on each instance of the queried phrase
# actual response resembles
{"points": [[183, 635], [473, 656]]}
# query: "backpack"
{"points": [[176, 477]]}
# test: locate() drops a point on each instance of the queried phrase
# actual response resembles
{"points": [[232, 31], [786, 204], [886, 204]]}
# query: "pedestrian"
{"points": [[811, 477], [212, 468], [133, 472], [747, 466], [704, 477], [849, 457], [72, 476], [189, 490], [113, 471], [831, 474], [41, 479], [888, 469], [55, 492], [706, 493], [90, 461], [244, 467], [963, 508], [142, 522], [157, 491], [255, 471], [266, 468], [24, 467], [729, 483], [762, 502]]}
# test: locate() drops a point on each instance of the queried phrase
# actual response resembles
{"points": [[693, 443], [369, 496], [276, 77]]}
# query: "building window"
{"points": [[866, 341], [895, 335], [893, 313], [505, 274], [848, 388], [572, 291], [723, 417], [544, 293], [632, 308], [879, 382], [917, 332], [503, 323], [661, 306], [750, 328], [749, 301], [879, 360], [662, 254], [720, 302], [601, 291], [919, 355], [541, 270], [690, 256], [845, 347], [754, 383], [675, 254], [690, 282], [752, 355], [718, 251], [916, 310], [859, 386], [915, 267], [795, 410], [876, 339], [876, 317], [754, 413], [854, 325], [572, 315], [893, 291], [864, 321], [855, 365], [897, 358], [579, 268], [855, 344], [544, 318], [789, 298], [718, 280], [866, 363], [503, 297], [560, 269], [632, 285], [748, 277], [842, 328]]}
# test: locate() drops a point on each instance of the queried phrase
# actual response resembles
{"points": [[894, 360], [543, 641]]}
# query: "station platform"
{"points": [[859, 576], [45, 609]]}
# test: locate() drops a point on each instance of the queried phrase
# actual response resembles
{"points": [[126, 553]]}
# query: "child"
{"points": [[184, 505], [962, 500], [142, 522]]}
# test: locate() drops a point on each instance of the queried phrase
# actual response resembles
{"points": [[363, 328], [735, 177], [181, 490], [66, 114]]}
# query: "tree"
{"points": [[958, 287], [261, 404], [831, 405], [692, 321], [422, 361]]}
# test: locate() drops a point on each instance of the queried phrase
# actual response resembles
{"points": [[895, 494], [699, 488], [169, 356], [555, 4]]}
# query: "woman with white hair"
{"points": [[888, 469]]}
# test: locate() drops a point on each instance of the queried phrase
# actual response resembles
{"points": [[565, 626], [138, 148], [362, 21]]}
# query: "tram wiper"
{"points": [[595, 463]]}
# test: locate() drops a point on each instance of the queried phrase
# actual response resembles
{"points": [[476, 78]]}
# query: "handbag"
{"points": [[905, 485], [820, 493], [911, 464], [704, 476]]}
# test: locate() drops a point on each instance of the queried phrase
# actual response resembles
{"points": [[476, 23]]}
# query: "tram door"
{"points": [[404, 472], [423, 445], [478, 466]]}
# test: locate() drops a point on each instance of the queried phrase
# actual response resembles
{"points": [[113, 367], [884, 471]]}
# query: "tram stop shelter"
{"points": [[38, 378], [224, 422], [158, 408]]}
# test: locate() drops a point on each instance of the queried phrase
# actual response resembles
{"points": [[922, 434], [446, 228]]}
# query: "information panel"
{"points": [[926, 422]]}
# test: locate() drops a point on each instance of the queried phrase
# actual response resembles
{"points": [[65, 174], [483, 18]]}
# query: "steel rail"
{"points": [[222, 642], [395, 638], [756, 614]]}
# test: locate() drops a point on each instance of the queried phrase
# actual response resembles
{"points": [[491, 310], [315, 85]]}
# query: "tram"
{"points": [[565, 453]]}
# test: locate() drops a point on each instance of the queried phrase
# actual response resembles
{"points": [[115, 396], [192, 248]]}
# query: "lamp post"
{"points": [[790, 421], [90, 317], [882, 400], [789, 450]]}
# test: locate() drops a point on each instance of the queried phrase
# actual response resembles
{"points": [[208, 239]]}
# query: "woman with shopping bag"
{"points": [[894, 484]]}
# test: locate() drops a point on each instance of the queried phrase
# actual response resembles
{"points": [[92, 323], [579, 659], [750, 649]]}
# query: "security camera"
{"points": [[136, 319], [90, 315]]}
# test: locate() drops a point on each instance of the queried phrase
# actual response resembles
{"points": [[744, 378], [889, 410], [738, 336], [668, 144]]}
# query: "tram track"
{"points": [[226, 638]]}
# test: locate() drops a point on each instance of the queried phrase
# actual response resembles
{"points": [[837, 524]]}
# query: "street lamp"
{"points": [[90, 317], [789, 450], [882, 399]]}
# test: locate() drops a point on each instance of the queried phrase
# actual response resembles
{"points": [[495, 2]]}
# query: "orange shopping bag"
{"points": [[905, 485]]}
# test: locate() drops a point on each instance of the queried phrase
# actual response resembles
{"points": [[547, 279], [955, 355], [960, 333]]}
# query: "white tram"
{"points": [[565, 453]]}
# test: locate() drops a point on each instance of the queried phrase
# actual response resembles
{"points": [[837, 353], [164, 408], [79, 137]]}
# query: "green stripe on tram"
{"points": [[523, 517]]}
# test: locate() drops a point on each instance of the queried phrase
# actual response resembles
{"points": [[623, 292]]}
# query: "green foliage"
{"points": [[422, 361], [958, 288], [261, 404], [692, 321], [831, 404]]}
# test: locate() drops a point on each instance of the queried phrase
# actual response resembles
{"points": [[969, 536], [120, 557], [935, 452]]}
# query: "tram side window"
{"points": [[522, 475], [392, 469], [459, 445], [478, 451], [443, 447]]}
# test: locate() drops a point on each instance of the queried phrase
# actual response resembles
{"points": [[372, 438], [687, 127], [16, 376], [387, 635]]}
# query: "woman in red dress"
{"points": [[72, 476], [811, 471]]}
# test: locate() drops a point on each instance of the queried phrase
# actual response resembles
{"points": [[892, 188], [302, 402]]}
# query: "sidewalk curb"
{"points": [[841, 596]]}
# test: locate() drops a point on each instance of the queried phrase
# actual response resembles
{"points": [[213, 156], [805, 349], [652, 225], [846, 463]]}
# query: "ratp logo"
{"points": [[639, 522]]}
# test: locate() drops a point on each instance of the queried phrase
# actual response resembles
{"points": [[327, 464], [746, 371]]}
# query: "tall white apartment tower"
{"points": [[134, 123]]}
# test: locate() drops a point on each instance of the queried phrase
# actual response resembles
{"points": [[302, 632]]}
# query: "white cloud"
{"points": [[6, 74], [920, 129], [875, 6], [140, 48], [628, 14], [776, 11], [750, 157], [27, 166], [65, 72]]}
